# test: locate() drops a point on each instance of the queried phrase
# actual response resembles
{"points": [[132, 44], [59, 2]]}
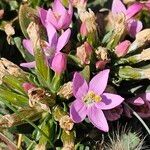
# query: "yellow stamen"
{"points": [[92, 97]]}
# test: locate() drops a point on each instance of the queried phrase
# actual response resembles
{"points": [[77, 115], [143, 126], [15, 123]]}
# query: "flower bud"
{"points": [[84, 53], [66, 123], [41, 97], [66, 91], [27, 86], [83, 29], [142, 39], [143, 56], [101, 64], [117, 23], [59, 63], [9, 30], [1, 13], [101, 53], [79, 4], [145, 73], [33, 32], [122, 48], [128, 73], [58, 113], [88, 19]]}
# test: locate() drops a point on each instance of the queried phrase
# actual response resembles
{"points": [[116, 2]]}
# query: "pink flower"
{"points": [[90, 100], [133, 26], [122, 48], [140, 104], [58, 16], [51, 48], [59, 63]]}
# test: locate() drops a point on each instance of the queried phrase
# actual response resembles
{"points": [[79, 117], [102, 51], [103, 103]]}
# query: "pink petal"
{"points": [[69, 17], [147, 95], [50, 18], [58, 7], [64, 18], [42, 15], [118, 7], [52, 35], [147, 4], [134, 27], [83, 29], [99, 82], [28, 45], [138, 101], [97, 118], [133, 10], [70, 10], [78, 111], [122, 48], [59, 63], [109, 101], [63, 40], [80, 86], [28, 64]]}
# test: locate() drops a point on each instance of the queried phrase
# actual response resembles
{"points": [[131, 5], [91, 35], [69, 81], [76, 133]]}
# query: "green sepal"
{"points": [[86, 73]]}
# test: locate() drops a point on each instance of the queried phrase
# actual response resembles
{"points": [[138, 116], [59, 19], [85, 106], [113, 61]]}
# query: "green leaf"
{"points": [[14, 83], [42, 68], [13, 98], [26, 16], [48, 127]]}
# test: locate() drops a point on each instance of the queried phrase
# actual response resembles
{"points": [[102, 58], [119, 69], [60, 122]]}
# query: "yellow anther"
{"points": [[92, 97]]}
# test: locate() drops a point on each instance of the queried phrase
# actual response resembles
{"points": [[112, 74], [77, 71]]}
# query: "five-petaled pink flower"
{"points": [[133, 26], [51, 48], [91, 100], [58, 16]]}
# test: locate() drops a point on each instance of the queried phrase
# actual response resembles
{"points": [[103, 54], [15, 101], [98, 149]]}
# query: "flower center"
{"points": [[91, 97], [57, 15]]}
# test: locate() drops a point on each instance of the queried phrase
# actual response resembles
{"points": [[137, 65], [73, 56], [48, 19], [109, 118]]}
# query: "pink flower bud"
{"points": [[1, 13], [101, 64], [27, 86], [59, 63], [122, 48], [84, 53], [83, 29]]}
